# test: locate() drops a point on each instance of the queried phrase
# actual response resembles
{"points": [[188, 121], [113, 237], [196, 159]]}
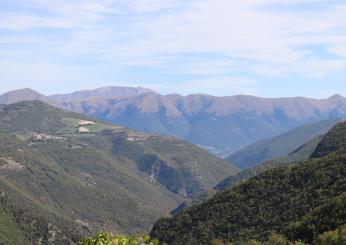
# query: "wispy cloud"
{"points": [[206, 38]]}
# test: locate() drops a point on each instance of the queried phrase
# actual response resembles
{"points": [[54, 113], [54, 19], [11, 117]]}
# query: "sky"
{"points": [[270, 48]]}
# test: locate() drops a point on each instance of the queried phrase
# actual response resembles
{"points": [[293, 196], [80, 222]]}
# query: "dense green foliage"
{"points": [[94, 180], [279, 146], [328, 216], [273, 239], [292, 200], [301, 153], [21, 226], [336, 237], [104, 238]]}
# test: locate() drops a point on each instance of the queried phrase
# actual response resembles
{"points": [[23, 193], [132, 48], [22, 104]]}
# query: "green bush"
{"points": [[104, 238], [337, 237], [274, 239]]}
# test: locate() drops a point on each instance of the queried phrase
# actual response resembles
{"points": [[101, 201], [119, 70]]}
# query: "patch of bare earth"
{"points": [[10, 164]]}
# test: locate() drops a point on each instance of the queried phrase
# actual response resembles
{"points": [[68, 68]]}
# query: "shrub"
{"points": [[337, 237], [104, 238]]}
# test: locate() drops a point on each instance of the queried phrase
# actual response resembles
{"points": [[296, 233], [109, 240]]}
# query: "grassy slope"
{"points": [[92, 181], [289, 200], [280, 145]]}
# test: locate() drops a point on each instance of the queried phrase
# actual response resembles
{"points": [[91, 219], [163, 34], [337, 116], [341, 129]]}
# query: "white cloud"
{"points": [[219, 85], [312, 68], [339, 50], [232, 36]]}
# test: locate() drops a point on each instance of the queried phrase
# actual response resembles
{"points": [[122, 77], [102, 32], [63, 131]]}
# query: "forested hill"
{"points": [[298, 201], [301, 153], [280, 145], [62, 172], [334, 140]]}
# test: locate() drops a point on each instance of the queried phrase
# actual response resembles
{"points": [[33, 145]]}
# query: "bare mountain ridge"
{"points": [[221, 124], [177, 105], [105, 92], [148, 101]]}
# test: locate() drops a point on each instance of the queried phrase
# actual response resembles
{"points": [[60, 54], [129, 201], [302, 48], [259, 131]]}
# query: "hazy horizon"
{"points": [[164, 94]]}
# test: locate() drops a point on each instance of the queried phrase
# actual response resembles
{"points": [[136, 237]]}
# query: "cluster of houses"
{"points": [[43, 137]]}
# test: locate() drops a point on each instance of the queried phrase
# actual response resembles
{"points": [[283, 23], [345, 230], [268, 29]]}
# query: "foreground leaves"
{"points": [[104, 238]]}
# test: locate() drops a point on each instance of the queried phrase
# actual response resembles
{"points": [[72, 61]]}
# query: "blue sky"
{"points": [[270, 48]]}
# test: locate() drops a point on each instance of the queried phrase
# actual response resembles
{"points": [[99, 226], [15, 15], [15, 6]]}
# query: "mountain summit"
{"points": [[105, 92], [23, 95], [337, 97]]}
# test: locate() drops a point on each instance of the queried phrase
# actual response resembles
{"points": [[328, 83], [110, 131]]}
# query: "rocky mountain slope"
{"points": [[300, 201], [221, 124], [77, 175]]}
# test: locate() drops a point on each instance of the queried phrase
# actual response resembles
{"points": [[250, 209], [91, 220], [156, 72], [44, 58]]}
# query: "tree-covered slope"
{"points": [[334, 140], [316, 147], [28, 226], [279, 146], [301, 153], [76, 172], [292, 200]]}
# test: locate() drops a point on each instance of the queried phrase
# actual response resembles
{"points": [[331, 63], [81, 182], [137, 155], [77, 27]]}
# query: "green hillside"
{"points": [[78, 174], [279, 146], [334, 140], [299, 201], [301, 153]]}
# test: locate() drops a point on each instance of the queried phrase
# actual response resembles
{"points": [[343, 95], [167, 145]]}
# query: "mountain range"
{"points": [[223, 125], [63, 175]]}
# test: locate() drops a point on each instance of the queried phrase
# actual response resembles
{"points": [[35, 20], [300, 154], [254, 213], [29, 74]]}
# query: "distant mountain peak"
{"points": [[336, 97], [23, 95], [107, 92], [23, 90]]}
